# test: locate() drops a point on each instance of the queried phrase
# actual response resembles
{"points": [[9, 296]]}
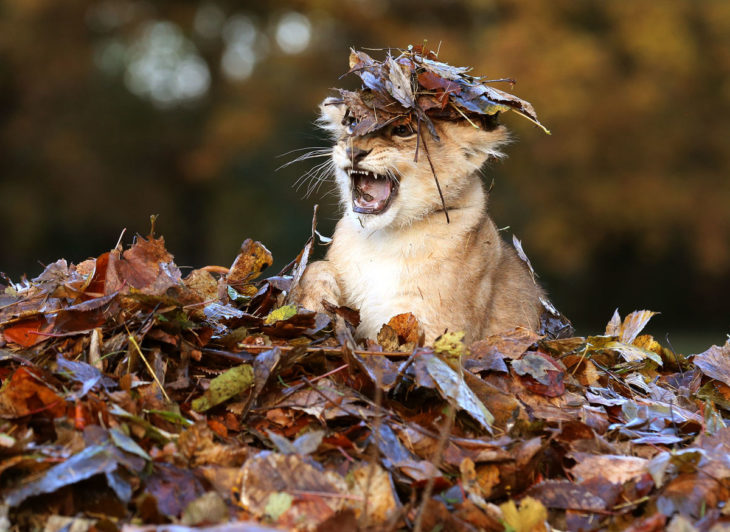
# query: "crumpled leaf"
{"points": [[715, 363], [374, 483], [630, 353], [147, 267], [248, 265], [407, 327]]}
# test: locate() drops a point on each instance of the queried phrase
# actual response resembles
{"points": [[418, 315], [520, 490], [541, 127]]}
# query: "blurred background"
{"points": [[114, 110]]}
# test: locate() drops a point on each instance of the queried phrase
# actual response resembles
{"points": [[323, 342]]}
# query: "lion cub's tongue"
{"points": [[371, 195]]}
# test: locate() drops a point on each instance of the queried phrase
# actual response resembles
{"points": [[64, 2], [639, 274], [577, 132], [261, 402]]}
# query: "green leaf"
{"points": [[225, 386], [236, 296]]}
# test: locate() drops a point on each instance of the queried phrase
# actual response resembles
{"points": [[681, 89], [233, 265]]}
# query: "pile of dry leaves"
{"points": [[134, 397]]}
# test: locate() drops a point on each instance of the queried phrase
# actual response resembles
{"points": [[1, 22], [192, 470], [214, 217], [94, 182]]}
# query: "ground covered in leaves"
{"points": [[135, 398]]}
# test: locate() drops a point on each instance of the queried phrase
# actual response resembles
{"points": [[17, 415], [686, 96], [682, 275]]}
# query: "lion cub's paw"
{"points": [[317, 284]]}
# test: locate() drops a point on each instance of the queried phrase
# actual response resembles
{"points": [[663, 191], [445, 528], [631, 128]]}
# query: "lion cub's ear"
{"points": [[332, 111]]}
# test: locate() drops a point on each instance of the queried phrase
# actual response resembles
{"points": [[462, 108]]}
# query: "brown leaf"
{"points": [[715, 363], [510, 344], [407, 327], [146, 266], [566, 495], [613, 468], [314, 495], [26, 393], [250, 262], [541, 374], [631, 327], [351, 316], [173, 488]]}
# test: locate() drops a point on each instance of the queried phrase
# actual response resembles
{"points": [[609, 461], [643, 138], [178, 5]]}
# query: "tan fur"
{"points": [[455, 276]]}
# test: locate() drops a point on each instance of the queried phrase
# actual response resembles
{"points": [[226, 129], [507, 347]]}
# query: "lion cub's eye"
{"points": [[404, 130]]}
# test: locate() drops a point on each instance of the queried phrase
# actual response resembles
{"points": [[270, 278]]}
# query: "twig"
{"points": [[438, 185], [256, 349], [445, 432], [149, 368], [346, 496]]}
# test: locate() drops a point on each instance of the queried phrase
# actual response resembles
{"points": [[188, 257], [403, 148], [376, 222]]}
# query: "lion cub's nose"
{"points": [[355, 155]]}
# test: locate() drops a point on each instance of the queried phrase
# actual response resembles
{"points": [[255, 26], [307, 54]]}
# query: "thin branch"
{"points": [[438, 185]]}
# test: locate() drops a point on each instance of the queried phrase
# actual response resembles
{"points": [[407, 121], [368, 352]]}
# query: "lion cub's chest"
{"points": [[384, 277]]}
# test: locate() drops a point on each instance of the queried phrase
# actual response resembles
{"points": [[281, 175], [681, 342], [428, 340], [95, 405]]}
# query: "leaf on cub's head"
{"points": [[414, 86]]}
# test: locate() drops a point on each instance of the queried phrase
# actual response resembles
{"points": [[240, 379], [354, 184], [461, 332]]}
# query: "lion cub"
{"points": [[393, 250]]}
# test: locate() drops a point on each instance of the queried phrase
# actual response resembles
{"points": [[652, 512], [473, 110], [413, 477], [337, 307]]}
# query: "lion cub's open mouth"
{"points": [[371, 193]]}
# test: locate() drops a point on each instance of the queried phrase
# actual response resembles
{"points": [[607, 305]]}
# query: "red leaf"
{"points": [[26, 333]]}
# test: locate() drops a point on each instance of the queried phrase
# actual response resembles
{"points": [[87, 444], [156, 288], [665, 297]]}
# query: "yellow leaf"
{"points": [[281, 314], [450, 343], [530, 517]]}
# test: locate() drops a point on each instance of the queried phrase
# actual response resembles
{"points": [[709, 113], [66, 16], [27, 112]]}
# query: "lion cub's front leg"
{"points": [[318, 283]]}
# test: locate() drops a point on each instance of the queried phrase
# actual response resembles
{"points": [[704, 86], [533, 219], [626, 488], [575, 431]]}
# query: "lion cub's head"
{"points": [[381, 181]]}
